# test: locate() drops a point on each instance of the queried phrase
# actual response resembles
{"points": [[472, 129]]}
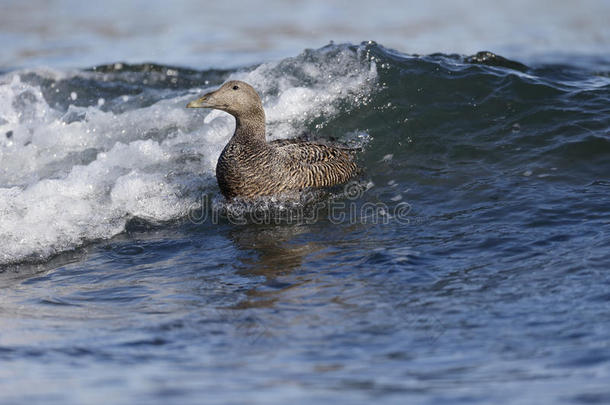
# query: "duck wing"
{"points": [[316, 165], [303, 141]]}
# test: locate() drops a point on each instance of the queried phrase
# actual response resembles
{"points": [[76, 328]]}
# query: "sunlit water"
{"points": [[469, 265]]}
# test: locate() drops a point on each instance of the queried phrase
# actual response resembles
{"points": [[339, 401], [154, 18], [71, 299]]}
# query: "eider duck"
{"points": [[251, 167]]}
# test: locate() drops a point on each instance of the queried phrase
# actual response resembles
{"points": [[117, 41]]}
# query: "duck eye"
{"points": [[235, 87]]}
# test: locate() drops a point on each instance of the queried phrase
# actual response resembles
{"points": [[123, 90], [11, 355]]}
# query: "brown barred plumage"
{"points": [[249, 166]]}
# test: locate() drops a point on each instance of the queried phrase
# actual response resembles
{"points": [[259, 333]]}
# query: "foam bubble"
{"points": [[72, 175]]}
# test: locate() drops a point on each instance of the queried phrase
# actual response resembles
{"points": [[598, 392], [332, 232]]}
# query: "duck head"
{"points": [[235, 97]]}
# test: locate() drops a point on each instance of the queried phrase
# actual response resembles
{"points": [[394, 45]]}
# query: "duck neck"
{"points": [[250, 129]]}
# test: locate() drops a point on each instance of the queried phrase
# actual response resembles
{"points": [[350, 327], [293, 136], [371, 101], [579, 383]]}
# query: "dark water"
{"points": [[474, 268]]}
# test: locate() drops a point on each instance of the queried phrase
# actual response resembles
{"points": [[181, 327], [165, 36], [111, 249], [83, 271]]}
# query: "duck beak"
{"points": [[203, 102]]}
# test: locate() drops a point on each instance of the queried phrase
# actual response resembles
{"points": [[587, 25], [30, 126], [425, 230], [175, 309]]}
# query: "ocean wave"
{"points": [[83, 152]]}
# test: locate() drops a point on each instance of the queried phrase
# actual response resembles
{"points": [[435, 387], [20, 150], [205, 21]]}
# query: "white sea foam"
{"points": [[68, 177]]}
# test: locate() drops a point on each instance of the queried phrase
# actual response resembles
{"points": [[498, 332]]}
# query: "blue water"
{"points": [[469, 265]]}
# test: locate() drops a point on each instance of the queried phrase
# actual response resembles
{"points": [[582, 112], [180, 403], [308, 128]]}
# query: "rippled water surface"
{"points": [[471, 267]]}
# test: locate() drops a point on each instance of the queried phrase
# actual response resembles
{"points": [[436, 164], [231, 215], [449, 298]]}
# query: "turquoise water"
{"points": [[469, 265]]}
